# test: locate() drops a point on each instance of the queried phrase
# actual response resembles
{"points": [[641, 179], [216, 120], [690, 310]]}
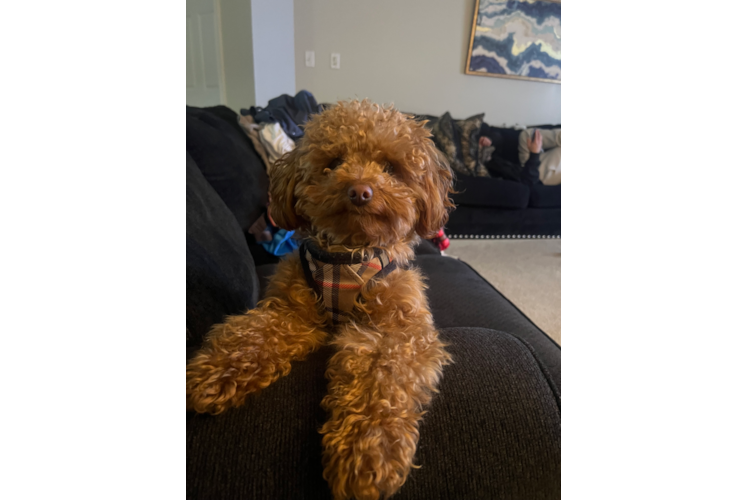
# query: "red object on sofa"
{"points": [[441, 240]]}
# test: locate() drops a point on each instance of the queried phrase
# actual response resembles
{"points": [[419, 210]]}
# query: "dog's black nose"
{"points": [[360, 194]]}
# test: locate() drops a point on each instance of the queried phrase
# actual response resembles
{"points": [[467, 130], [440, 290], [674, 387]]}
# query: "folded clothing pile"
{"points": [[275, 128], [290, 112]]}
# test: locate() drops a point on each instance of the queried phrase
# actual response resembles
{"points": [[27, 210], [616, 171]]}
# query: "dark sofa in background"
{"points": [[500, 206], [493, 431]]}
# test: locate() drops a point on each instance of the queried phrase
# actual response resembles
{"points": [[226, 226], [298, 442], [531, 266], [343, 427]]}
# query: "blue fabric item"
{"points": [[282, 243], [289, 112]]}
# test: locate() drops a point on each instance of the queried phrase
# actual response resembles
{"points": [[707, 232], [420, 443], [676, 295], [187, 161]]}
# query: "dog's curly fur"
{"points": [[389, 359]]}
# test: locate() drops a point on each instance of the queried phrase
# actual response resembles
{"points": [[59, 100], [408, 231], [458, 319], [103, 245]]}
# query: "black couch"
{"points": [[501, 206], [493, 430]]}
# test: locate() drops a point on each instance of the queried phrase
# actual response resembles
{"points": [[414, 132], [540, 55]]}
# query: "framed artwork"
{"points": [[516, 39]]}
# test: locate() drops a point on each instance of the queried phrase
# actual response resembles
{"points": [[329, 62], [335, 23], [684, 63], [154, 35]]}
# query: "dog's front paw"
{"points": [[217, 383], [368, 459], [210, 389]]}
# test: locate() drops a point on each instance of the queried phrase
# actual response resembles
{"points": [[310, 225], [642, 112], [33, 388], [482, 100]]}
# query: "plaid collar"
{"points": [[338, 277]]}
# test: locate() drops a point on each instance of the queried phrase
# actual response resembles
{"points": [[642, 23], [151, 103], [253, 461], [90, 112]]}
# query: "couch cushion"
{"points": [[229, 164], [487, 192], [493, 431], [461, 297], [221, 277], [542, 196]]}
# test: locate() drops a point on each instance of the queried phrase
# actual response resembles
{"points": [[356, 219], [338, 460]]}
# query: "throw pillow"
{"points": [[449, 142], [469, 130], [458, 140]]}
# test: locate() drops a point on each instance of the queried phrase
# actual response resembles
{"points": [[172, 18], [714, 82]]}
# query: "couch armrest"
{"points": [[492, 431], [461, 297]]}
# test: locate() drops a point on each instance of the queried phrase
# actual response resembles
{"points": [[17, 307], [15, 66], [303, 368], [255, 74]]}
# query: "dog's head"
{"points": [[362, 175]]}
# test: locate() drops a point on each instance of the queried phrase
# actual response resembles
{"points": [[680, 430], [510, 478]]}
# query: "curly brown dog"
{"points": [[363, 184]]}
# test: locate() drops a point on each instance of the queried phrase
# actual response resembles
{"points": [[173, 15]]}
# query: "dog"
{"points": [[363, 186]]}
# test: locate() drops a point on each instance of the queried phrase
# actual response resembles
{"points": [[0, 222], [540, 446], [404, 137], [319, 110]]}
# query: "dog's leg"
{"points": [[248, 352], [382, 376]]}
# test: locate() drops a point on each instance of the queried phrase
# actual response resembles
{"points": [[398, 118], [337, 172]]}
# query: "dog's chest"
{"points": [[338, 278]]}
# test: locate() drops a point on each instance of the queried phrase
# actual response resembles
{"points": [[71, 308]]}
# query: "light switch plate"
{"points": [[335, 60], [309, 58]]}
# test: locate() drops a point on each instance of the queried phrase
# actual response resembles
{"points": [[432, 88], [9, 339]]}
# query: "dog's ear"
{"points": [[434, 205], [284, 176]]}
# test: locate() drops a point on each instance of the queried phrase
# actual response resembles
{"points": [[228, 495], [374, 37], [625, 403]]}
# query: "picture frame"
{"points": [[519, 39]]}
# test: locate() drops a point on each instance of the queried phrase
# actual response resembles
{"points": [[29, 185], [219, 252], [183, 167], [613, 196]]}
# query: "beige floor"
{"points": [[527, 272]]}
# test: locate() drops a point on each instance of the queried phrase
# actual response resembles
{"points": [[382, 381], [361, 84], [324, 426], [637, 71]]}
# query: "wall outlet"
{"points": [[335, 60], [309, 58]]}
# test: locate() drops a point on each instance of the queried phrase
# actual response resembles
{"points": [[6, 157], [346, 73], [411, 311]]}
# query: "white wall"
{"points": [[256, 41], [238, 60], [273, 42], [204, 74], [412, 53]]}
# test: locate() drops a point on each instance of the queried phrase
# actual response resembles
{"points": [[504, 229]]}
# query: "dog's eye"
{"points": [[389, 168], [335, 163]]}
